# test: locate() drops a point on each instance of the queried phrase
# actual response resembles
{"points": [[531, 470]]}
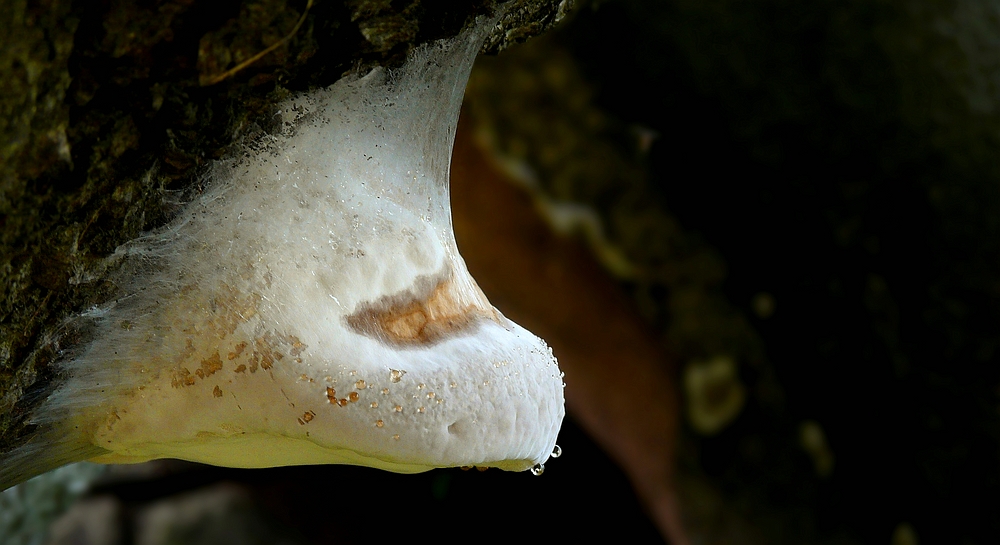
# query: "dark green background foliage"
{"points": [[844, 157]]}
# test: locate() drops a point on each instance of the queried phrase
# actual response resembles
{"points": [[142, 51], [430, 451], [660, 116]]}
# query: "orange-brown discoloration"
{"points": [[237, 350], [182, 377], [217, 392], [297, 345], [307, 417], [262, 350], [438, 310], [259, 353], [230, 308], [210, 366]]}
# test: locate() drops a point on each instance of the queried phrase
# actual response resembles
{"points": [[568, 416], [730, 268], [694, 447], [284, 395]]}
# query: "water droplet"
{"points": [[395, 375], [360, 384], [420, 409], [353, 396], [375, 406], [538, 469], [398, 408], [421, 386], [556, 451], [430, 395], [454, 384], [385, 391], [331, 395], [379, 423], [353, 373], [481, 468]]}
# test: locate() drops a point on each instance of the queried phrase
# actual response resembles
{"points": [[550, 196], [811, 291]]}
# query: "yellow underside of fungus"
{"points": [[311, 307]]}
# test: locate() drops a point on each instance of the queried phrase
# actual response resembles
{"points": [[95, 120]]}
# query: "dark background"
{"points": [[834, 156]]}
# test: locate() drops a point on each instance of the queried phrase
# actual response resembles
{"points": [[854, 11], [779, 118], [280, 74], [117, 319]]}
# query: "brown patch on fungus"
{"points": [[217, 392], [237, 350], [436, 308], [210, 366], [182, 377], [297, 345]]}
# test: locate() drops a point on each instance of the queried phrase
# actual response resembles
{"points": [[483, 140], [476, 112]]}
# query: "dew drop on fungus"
{"points": [[396, 437], [360, 384], [353, 396], [556, 451], [379, 423], [374, 404], [398, 408], [396, 375], [538, 469], [385, 391]]}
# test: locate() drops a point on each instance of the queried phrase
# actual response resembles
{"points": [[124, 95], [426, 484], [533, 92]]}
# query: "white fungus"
{"points": [[312, 307]]}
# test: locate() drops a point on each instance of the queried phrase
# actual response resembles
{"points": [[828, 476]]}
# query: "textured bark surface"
{"points": [[109, 110]]}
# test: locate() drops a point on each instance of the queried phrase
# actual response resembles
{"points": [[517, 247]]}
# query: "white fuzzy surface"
{"points": [[347, 206]]}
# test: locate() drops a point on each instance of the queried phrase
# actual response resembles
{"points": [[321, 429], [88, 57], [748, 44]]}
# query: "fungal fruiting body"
{"points": [[311, 307]]}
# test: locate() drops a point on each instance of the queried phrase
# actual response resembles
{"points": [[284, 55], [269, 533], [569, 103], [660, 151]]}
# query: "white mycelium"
{"points": [[312, 307]]}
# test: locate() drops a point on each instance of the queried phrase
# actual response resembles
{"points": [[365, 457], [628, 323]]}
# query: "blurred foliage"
{"points": [[840, 159]]}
